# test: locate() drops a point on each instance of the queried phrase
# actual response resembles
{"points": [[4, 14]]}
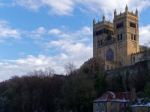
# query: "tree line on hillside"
{"points": [[48, 92]]}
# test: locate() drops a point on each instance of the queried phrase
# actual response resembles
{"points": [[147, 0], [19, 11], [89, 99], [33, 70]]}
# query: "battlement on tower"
{"points": [[126, 13], [102, 23]]}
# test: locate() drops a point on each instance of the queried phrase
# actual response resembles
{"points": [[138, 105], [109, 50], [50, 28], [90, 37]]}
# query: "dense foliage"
{"points": [[40, 92]]}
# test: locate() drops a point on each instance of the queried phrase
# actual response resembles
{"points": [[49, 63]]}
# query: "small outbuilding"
{"points": [[112, 102]]}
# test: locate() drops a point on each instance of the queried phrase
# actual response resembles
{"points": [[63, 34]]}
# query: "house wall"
{"points": [[116, 107], [109, 107], [99, 107], [140, 109]]}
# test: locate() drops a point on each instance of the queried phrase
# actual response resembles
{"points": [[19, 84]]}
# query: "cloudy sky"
{"points": [[41, 34]]}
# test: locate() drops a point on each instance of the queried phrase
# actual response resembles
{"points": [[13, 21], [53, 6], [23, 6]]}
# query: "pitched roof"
{"points": [[116, 97]]}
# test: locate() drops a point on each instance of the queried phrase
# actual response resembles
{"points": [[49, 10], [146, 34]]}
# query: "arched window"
{"points": [[110, 55]]}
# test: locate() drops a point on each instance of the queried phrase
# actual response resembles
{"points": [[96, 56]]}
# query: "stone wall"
{"points": [[126, 78]]}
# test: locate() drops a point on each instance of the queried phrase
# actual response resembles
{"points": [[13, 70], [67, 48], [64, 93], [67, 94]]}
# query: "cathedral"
{"points": [[117, 42]]}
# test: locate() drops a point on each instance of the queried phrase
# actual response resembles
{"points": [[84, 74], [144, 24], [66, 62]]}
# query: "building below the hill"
{"points": [[112, 102], [120, 102]]}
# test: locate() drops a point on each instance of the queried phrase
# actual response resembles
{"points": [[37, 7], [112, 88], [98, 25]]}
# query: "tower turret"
{"points": [[136, 12], [103, 18], [126, 9], [94, 21], [115, 12]]}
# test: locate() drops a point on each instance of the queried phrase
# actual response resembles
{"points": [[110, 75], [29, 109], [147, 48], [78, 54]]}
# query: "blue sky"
{"points": [[43, 34]]}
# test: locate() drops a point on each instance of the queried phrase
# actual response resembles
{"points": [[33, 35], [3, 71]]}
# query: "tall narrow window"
{"points": [[110, 55], [133, 59], [98, 43], [134, 37], [101, 42], [120, 36]]}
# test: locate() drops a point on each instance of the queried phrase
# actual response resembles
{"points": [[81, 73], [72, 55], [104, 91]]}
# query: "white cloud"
{"points": [[59, 7], [30, 4], [71, 49], [38, 33], [55, 32], [7, 32], [75, 53], [145, 35], [86, 31], [108, 6], [66, 7], [75, 47], [101, 6], [83, 34], [21, 66], [2, 4], [139, 4]]}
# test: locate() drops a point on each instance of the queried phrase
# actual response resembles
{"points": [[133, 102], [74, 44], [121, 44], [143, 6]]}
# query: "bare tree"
{"points": [[70, 68], [47, 72]]}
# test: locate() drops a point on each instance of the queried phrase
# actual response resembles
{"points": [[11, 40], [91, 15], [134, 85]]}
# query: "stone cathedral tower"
{"points": [[115, 42]]}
